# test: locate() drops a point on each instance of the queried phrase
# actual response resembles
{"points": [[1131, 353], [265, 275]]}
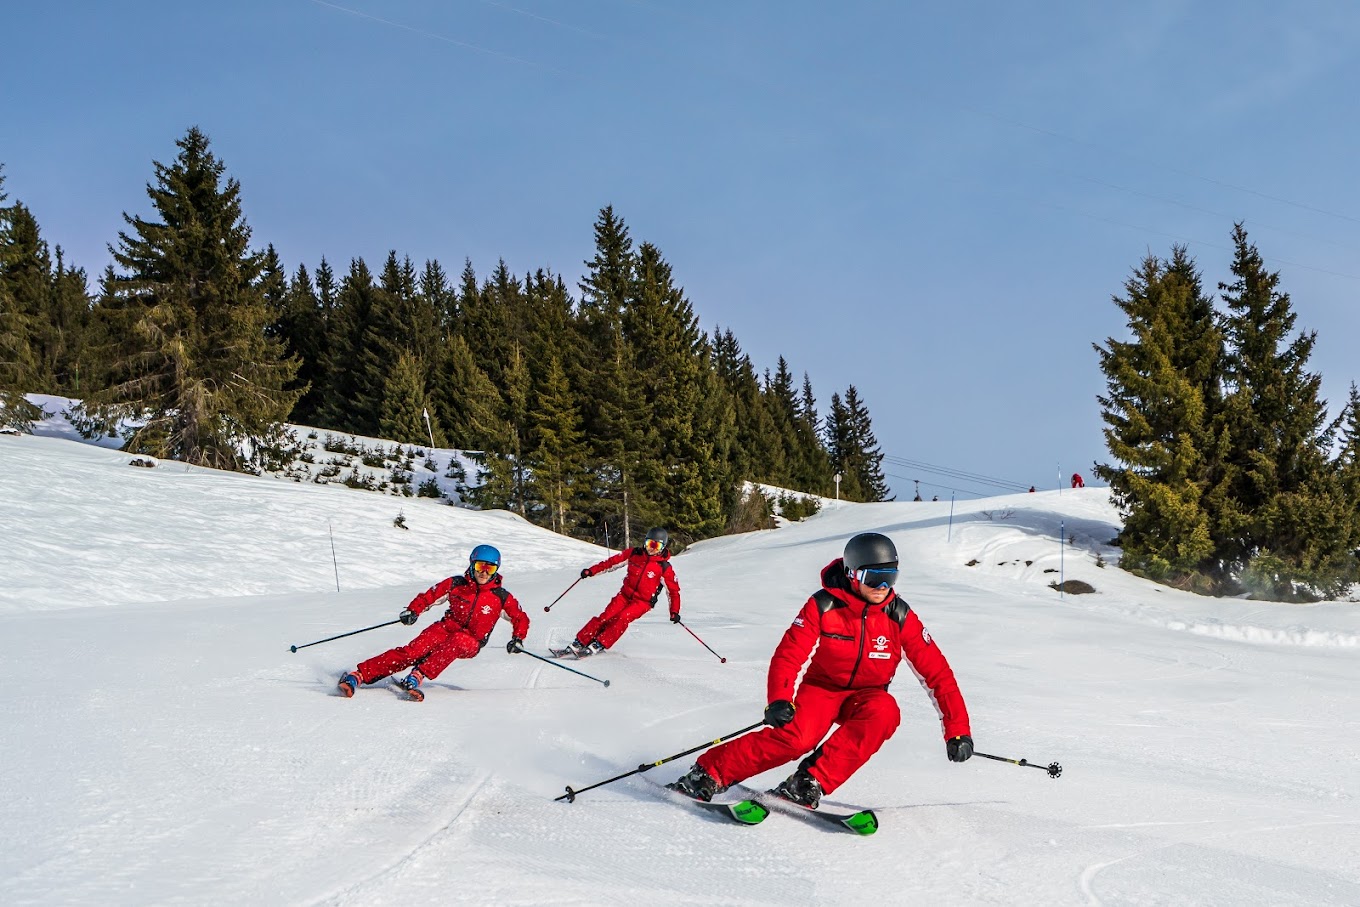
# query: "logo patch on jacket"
{"points": [[798, 621], [486, 609], [925, 635]]}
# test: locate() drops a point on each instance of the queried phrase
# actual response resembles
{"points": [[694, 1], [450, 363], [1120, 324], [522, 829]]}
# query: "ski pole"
{"points": [[563, 595], [1053, 768], [523, 651], [570, 795], [343, 635], [701, 642]]}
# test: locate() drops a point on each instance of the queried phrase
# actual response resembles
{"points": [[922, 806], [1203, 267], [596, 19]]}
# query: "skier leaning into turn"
{"points": [[649, 567], [851, 636], [476, 602]]}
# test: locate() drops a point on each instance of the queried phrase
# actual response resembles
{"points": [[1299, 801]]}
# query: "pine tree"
{"points": [[864, 457], [558, 457], [678, 474], [815, 473], [1163, 394], [69, 311], [349, 389], [404, 405], [17, 366], [467, 403], [198, 367], [302, 326], [1280, 522]]}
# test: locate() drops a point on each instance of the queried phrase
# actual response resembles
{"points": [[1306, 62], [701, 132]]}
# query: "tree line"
{"points": [[595, 413], [1229, 475]]}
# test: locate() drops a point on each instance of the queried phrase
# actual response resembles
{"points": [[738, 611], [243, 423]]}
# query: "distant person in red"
{"points": [[476, 602], [1031, 489], [850, 636], [1076, 480], [648, 568]]}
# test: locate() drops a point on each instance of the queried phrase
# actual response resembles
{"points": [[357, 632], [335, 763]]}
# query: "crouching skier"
{"points": [[476, 601], [851, 635]]}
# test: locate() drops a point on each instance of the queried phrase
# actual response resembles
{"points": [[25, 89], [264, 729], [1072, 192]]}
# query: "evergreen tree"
{"points": [[347, 403], [840, 443], [865, 458], [814, 472], [467, 402], [404, 404], [17, 366], [678, 475], [198, 367], [558, 458], [69, 312], [302, 327], [1163, 394], [1281, 521]]}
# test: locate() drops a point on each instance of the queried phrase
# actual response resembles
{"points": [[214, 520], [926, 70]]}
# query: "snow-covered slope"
{"points": [[159, 743]]}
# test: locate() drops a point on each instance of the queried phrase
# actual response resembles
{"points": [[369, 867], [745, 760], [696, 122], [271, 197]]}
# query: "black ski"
{"points": [[860, 821]]}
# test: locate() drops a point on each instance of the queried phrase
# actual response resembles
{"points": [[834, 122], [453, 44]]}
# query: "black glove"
{"points": [[960, 748], [514, 645], [585, 572], [408, 617], [779, 713], [675, 618]]}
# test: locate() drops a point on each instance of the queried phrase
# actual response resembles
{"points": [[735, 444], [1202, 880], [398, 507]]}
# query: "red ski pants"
{"points": [[608, 626], [866, 717], [433, 650]]}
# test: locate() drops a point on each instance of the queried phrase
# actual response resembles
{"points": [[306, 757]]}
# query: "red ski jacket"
{"points": [[474, 608], [849, 644], [646, 573]]}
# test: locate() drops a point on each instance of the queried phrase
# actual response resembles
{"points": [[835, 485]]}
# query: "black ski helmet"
{"points": [[870, 549], [658, 535]]}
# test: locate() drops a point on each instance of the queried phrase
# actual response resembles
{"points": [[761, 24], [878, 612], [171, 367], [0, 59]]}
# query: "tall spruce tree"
{"points": [[197, 367], [865, 458], [678, 471], [559, 453], [1164, 393], [404, 405], [349, 391], [467, 403], [1279, 523], [302, 327], [17, 365]]}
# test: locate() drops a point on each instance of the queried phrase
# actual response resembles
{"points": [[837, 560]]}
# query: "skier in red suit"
{"points": [[649, 567], [1077, 481], [476, 602], [851, 636]]}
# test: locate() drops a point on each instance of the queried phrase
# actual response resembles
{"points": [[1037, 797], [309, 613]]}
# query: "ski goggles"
{"points": [[486, 567], [876, 577], [654, 546]]}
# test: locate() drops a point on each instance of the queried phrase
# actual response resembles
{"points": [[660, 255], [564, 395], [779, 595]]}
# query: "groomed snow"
{"points": [[159, 743]]}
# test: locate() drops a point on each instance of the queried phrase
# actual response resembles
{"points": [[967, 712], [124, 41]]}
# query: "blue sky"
{"points": [[933, 204]]}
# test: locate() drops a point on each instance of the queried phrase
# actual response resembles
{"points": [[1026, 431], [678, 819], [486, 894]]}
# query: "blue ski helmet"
{"points": [[485, 553]]}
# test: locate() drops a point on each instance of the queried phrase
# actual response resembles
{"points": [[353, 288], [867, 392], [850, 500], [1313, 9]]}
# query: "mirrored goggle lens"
{"points": [[877, 577], [653, 545], [485, 566]]}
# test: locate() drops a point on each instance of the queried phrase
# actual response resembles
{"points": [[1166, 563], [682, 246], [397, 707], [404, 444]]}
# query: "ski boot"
{"points": [[697, 783], [577, 649], [596, 647], [349, 683], [411, 685], [801, 788]]}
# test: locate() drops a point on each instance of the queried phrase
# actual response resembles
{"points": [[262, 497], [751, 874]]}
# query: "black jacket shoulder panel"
{"points": [[898, 610], [826, 601]]}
